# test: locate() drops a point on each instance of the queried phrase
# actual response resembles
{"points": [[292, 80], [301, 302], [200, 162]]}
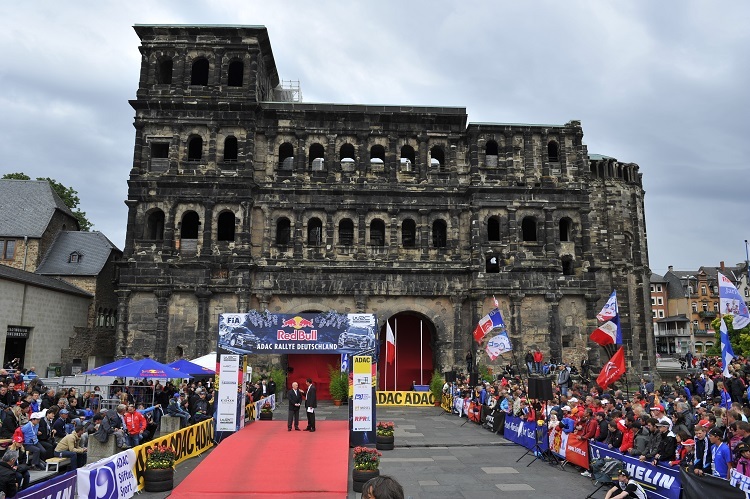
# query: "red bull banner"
{"points": [[326, 333]]}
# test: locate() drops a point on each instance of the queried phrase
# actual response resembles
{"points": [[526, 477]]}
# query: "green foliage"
{"points": [[339, 383], [484, 373], [279, 377], [739, 338], [68, 195], [436, 386]]}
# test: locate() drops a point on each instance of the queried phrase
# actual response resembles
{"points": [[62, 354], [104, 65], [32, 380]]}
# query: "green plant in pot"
{"points": [[338, 385], [436, 387], [159, 473]]}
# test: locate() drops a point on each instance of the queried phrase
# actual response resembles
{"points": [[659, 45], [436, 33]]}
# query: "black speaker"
{"points": [[540, 388], [473, 379], [450, 376]]}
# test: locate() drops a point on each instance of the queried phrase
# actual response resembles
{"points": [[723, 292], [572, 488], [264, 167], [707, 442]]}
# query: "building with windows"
{"points": [[241, 197]]}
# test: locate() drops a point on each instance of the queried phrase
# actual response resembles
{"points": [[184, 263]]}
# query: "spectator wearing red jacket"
{"points": [[628, 435], [590, 426], [538, 357], [136, 424]]}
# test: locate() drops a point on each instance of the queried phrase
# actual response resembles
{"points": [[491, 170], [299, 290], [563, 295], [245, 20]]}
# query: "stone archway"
{"points": [[409, 367]]}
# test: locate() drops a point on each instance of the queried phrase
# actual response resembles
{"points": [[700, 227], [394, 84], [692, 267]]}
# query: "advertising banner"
{"points": [[328, 332], [568, 447], [257, 406], [658, 481], [739, 480], [63, 486], [362, 409], [495, 421], [703, 486], [230, 397], [410, 399], [525, 433], [187, 442], [447, 402], [109, 478]]}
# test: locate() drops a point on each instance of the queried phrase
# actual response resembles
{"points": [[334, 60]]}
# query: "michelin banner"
{"points": [[658, 481], [59, 487], [109, 478], [408, 399], [188, 442]]}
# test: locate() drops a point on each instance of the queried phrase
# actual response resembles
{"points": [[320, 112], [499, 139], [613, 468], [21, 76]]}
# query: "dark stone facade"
{"points": [[239, 201]]}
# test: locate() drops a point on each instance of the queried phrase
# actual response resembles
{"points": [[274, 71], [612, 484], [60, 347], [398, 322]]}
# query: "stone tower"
{"points": [[241, 199]]}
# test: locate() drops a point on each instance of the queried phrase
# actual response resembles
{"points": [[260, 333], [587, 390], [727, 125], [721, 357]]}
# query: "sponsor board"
{"points": [[108, 478], [362, 411], [411, 399], [660, 481]]}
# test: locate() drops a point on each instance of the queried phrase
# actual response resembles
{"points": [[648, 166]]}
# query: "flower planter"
{"points": [[384, 443], [266, 416], [158, 480], [360, 477], [336, 402]]}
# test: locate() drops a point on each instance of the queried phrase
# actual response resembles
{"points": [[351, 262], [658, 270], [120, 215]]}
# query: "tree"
{"points": [[739, 338], [68, 195]]}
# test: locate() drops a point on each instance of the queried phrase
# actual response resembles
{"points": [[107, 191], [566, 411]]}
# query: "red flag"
{"points": [[390, 345], [612, 370], [606, 334]]}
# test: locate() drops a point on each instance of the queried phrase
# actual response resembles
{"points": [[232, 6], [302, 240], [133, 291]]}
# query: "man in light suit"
{"points": [[311, 401], [294, 396]]}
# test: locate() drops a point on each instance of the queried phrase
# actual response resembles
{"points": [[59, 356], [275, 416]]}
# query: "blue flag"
{"points": [[731, 303], [727, 354], [344, 363]]}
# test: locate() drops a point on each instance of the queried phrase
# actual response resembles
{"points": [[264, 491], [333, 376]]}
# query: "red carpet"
{"points": [[266, 460]]}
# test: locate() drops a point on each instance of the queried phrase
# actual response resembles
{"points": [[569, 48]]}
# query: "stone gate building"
{"points": [[242, 198]]}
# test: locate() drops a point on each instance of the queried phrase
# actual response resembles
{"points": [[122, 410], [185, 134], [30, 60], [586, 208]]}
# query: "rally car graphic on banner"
{"points": [[327, 332]]}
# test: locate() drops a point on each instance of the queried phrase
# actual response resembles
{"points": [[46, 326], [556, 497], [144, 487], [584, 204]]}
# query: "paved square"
{"points": [[498, 470], [508, 487]]}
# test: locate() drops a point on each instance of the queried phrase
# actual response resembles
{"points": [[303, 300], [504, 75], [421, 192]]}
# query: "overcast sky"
{"points": [[662, 84]]}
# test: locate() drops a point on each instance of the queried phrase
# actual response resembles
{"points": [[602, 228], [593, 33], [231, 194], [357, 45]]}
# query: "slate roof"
{"points": [[93, 249], [41, 281], [27, 206], [657, 278]]}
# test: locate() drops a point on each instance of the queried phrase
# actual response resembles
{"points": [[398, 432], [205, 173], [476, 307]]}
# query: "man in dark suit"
{"points": [[294, 396], [311, 403]]}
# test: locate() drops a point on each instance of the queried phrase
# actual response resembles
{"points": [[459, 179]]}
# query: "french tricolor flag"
{"points": [[610, 332]]}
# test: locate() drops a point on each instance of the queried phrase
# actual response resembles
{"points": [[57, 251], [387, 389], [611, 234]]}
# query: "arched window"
{"points": [[566, 229], [314, 232], [189, 226], [230, 149], [408, 233], [286, 156], [553, 151], [377, 155], [437, 159], [491, 265], [439, 234], [195, 149], [164, 71], [490, 154], [408, 159], [377, 232], [567, 266], [234, 74], [528, 229], [199, 73], [155, 226], [283, 231], [225, 226], [317, 158], [346, 151], [493, 229], [346, 232]]}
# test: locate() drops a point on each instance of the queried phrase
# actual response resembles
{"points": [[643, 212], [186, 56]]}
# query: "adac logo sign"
{"points": [[412, 399]]}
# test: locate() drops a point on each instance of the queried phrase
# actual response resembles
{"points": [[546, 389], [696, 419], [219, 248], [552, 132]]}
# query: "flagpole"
{"points": [[395, 355], [421, 354]]}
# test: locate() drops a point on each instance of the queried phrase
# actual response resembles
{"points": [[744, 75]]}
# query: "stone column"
{"points": [[591, 324], [549, 233], [555, 332], [516, 300], [132, 204], [360, 302], [208, 218], [121, 341], [451, 348], [168, 244], [263, 300], [243, 300], [162, 324], [204, 315]]}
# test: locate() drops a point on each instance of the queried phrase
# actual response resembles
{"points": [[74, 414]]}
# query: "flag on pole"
{"points": [[730, 302], [612, 370], [488, 323], [344, 363], [390, 345], [727, 354], [499, 345], [609, 333]]}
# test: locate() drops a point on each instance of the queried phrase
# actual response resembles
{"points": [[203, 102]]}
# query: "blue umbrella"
{"points": [[187, 367], [144, 368], [97, 371]]}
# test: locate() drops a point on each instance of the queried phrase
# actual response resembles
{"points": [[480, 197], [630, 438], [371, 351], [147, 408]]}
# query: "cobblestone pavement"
{"points": [[438, 456]]}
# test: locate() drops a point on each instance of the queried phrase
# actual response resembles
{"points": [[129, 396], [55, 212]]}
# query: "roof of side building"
{"points": [[93, 249], [21, 276], [27, 206]]}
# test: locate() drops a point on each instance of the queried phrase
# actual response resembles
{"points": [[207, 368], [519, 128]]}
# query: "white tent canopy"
{"points": [[208, 361]]}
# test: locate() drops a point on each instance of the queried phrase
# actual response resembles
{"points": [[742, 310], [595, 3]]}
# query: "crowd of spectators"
{"points": [[38, 422], [699, 421]]}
